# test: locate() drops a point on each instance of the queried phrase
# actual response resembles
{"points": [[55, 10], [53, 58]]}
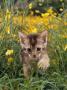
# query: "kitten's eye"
{"points": [[38, 49], [29, 49]]}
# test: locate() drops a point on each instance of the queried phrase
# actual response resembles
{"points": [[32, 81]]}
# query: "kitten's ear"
{"points": [[44, 36], [44, 33], [22, 38]]}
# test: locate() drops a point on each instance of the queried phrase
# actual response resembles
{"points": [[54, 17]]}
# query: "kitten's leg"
{"points": [[26, 70], [24, 59], [44, 62]]}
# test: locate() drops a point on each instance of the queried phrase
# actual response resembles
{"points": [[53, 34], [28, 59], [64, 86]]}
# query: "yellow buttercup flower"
{"points": [[46, 21], [30, 6], [61, 9], [18, 20], [45, 14], [9, 52], [15, 19], [8, 29], [65, 23], [10, 60], [33, 30], [8, 15], [64, 36], [37, 11], [65, 48], [50, 11]]}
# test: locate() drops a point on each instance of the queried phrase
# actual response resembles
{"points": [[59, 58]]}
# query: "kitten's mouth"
{"points": [[35, 59]]}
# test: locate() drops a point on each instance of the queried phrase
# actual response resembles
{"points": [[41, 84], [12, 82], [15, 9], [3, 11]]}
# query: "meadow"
{"points": [[14, 21]]}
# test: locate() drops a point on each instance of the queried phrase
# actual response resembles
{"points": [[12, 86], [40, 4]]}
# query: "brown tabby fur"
{"points": [[34, 49]]}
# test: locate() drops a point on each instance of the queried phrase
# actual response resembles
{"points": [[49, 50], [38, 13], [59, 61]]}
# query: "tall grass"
{"points": [[11, 74]]}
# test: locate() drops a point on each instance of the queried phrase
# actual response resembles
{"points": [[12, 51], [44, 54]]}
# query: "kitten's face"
{"points": [[34, 45]]}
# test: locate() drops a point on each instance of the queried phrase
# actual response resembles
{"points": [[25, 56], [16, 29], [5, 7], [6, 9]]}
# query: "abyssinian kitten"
{"points": [[34, 49]]}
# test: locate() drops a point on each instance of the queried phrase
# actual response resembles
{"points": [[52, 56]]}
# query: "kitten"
{"points": [[34, 49]]}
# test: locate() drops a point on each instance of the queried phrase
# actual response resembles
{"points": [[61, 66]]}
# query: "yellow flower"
{"points": [[18, 19], [10, 60], [9, 52], [65, 36], [15, 19], [37, 11], [8, 29], [45, 14], [61, 9], [33, 30], [46, 21], [30, 6], [65, 23], [8, 14], [65, 48], [50, 11]]}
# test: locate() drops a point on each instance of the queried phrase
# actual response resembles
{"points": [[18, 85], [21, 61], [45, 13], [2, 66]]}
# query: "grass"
{"points": [[11, 74]]}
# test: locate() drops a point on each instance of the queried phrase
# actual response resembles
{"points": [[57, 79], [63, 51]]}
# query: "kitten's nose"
{"points": [[34, 56]]}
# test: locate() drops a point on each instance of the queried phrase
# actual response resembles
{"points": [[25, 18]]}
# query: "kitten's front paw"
{"points": [[43, 64]]}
